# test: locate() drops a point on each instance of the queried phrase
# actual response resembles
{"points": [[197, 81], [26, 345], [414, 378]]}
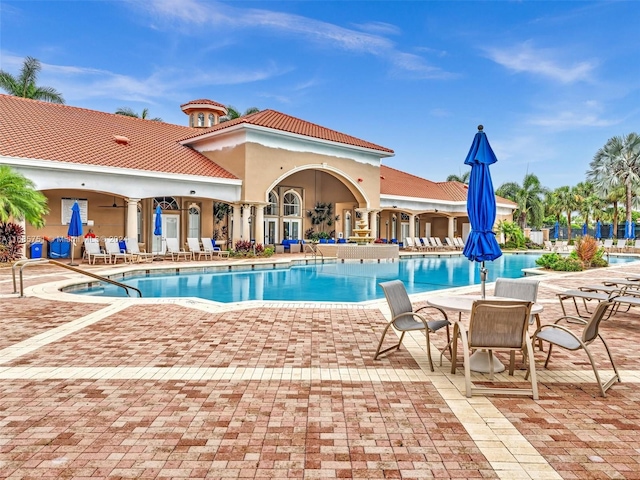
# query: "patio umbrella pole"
{"points": [[483, 279]]}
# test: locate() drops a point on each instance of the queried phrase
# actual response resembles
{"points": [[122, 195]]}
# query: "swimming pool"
{"points": [[332, 282]]}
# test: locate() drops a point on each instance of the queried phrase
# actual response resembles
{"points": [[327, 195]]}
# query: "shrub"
{"points": [[11, 242], [548, 260], [586, 249], [568, 264]]}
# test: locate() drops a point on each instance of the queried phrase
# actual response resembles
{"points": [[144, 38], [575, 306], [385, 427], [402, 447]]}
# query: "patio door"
{"points": [[270, 231], [170, 229], [291, 229]]}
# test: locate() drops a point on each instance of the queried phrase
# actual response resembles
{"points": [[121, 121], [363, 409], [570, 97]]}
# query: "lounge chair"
{"points": [[194, 248], [138, 255], [427, 244], [436, 243], [497, 325], [549, 246], [459, 242], [563, 337], [404, 318], [608, 244], [418, 244], [208, 246], [92, 251], [174, 250], [621, 245], [408, 244], [112, 245], [450, 243]]}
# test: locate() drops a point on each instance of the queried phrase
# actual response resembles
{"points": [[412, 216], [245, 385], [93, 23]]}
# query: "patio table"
{"points": [[479, 360]]}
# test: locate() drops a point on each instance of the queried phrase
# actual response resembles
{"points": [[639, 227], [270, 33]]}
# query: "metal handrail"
{"points": [[42, 261], [314, 251]]}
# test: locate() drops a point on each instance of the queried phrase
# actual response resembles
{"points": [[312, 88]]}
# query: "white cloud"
{"points": [[523, 58], [214, 14], [378, 27]]}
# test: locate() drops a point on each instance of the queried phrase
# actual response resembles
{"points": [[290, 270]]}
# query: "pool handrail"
{"points": [[42, 261]]}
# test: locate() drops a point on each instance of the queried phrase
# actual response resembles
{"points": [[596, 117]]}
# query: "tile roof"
{"points": [[402, 184], [48, 131], [286, 123]]}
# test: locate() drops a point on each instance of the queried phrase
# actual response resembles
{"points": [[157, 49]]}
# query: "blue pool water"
{"points": [[334, 282]]}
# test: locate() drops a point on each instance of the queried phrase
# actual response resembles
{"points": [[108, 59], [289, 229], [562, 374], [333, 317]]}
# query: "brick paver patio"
{"points": [[182, 389]]}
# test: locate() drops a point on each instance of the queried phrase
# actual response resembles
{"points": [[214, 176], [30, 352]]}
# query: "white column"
{"points": [[23, 224], [412, 226], [246, 227], [373, 223], [237, 224], [132, 218], [259, 224], [450, 228]]}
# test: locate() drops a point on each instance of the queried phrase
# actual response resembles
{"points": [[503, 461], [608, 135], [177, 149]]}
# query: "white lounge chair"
{"points": [[194, 248], [408, 244], [92, 251], [427, 244], [134, 249], [174, 250], [208, 246], [112, 245], [418, 244]]}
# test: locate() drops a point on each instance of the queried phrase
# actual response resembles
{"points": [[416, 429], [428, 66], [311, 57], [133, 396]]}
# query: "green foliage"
{"points": [[548, 260], [513, 235], [25, 86], [560, 263], [19, 199]]}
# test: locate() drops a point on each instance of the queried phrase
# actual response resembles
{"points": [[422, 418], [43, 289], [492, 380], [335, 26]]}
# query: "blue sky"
{"points": [[550, 81]]}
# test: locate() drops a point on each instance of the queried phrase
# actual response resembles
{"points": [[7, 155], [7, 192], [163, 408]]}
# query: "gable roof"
{"points": [[48, 131], [286, 123], [403, 184]]}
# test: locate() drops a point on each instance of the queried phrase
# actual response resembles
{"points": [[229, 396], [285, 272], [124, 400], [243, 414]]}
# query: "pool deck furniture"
{"points": [[194, 248], [92, 251], [479, 361], [404, 318], [112, 247], [134, 249], [563, 337], [175, 252]]}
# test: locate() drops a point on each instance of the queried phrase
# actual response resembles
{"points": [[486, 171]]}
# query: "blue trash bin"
{"points": [[35, 250], [59, 247]]}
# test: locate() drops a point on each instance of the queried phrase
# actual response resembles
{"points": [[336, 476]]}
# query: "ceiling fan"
{"points": [[114, 205]]}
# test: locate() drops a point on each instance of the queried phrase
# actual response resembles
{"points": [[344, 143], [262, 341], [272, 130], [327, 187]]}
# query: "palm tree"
{"points": [[529, 197], [233, 113], [617, 164], [566, 200], [464, 178], [128, 112], [19, 199], [25, 84]]}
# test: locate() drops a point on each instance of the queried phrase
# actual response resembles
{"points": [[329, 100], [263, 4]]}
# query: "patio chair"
{"points": [[436, 243], [408, 244], [174, 250], [112, 245], [134, 249], [497, 325], [404, 318], [608, 244], [621, 245], [548, 246], [450, 243], [194, 248], [92, 251], [459, 242], [521, 289], [208, 246], [427, 244], [418, 244], [563, 337], [636, 246]]}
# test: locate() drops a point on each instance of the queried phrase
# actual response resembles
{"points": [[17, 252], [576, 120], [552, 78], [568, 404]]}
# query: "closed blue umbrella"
{"points": [[598, 230], [556, 230], [481, 206], [611, 230], [75, 228], [158, 226], [629, 230], [584, 229]]}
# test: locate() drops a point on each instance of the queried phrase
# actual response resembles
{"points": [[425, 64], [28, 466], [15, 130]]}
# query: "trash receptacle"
{"points": [[59, 247], [35, 250]]}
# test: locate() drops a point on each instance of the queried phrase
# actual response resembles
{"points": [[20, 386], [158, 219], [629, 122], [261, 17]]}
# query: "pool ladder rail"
{"points": [[45, 261], [312, 249]]}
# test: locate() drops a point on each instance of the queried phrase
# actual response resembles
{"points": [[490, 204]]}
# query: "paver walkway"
{"points": [[189, 389]]}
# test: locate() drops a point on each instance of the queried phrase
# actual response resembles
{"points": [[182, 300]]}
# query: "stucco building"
{"points": [[274, 176]]}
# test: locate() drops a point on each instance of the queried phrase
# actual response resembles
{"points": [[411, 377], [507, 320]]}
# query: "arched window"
{"points": [[291, 204], [191, 124], [166, 203], [193, 224], [212, 120], [201, 119], [272, 208]]}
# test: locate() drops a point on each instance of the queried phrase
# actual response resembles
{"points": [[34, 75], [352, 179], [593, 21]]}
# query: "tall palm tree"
{"points": [[128, 112], [566, 200], [586, 199], [233, 113], [529, 197], [19, 199], [617, 164], [464, 178], [24, 85]]}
